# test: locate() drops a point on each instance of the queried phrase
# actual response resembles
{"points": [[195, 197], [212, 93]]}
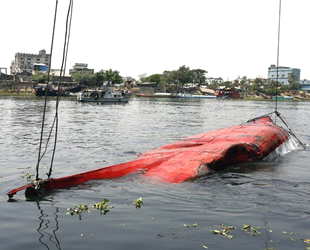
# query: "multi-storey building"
{"points": [[79, 67], [210, 80], [282, 74], [24, 62]]}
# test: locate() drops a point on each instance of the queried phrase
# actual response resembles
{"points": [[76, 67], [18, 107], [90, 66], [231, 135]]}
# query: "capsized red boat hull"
{"points": [[191, 157]]}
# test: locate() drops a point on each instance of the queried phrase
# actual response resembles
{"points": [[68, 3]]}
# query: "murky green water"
{"points": [[272, 195]]}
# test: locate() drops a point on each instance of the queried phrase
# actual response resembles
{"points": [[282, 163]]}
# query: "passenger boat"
{"points": [[103, 94], [227, 93], [187, 159]]}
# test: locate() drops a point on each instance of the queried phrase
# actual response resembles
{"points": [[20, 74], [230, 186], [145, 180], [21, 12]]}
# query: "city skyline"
{"points": [[226, 38]]}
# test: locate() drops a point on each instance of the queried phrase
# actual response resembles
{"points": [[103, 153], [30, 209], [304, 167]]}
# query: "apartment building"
{"points": [[24, 62], [282, 73]]}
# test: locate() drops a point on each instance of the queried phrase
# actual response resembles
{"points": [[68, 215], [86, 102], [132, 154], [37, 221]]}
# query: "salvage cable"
{"points": [[278, 52], [45, 101], [62, 73], [282, 118]]}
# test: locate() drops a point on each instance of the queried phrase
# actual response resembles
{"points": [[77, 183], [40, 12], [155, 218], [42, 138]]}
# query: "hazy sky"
{"points": [[228, 38]]}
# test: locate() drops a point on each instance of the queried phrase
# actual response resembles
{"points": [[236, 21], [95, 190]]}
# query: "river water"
{"points": [[273, 197]]}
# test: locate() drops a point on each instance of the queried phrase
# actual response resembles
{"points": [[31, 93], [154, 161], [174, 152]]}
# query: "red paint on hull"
{"points": [[191, 157]]}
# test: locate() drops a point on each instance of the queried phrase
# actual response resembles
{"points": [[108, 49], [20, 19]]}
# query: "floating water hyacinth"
{"points": [[138, 203], [225, 231], [78, 210], [251, 230], [28, 175], [103, 206]]}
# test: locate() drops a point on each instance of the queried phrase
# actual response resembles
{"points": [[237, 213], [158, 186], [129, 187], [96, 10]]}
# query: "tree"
{"points": [[198, 76], [100, 77], [112, 76], [85, 78], [184, 75], [294, 85], [143, 77], [257, 85], [273, 88], [155, 78], [40, 77]]}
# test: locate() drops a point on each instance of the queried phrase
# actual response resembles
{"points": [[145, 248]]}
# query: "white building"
{"points": [[282, 74], [210, 80], [305, 85]]}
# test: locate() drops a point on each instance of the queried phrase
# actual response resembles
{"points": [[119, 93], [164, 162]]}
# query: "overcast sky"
{"points": [[227, 38]]}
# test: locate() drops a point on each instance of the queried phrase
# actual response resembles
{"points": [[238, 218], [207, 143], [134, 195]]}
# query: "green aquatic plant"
{"points": [[78, 210], [252, 230], [224, 231], [306, 241], [27, 175], [103, 206], [138, 203]]}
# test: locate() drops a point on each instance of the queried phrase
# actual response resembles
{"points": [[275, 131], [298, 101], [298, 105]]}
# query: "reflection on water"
{"points": [[48, 226]]}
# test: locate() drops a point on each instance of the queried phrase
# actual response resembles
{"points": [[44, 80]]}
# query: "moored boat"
{"points": [[283, 98], [227, 93], [103, 94], [180, 95], [40, 90]]}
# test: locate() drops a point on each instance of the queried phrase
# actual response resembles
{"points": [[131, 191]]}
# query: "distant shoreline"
{"points": [[30, 95]]}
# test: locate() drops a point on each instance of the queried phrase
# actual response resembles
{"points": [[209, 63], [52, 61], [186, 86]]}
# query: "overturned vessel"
{"points": [[188, 159]]}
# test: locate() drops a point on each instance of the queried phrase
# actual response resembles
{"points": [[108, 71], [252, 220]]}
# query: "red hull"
{"points": [[191, 157]]}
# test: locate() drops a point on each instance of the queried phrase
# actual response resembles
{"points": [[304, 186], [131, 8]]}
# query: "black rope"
{"points": [[46, 90], [62, 72], [278, 52], [282, 118]]}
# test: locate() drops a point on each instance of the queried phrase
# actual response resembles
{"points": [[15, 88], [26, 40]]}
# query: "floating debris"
{"points": [[225, 231], [251, 230], [103, 206], [138, 203], [78, 210], [28, 175]]}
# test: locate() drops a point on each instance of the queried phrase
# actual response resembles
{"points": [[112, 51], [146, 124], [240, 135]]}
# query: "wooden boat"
{"points": [[41, 88], [103, 94], [187, 159], [227, 93]]}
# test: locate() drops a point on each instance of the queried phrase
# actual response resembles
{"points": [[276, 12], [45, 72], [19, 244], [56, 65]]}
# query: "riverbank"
{"points": [[30, 94]]}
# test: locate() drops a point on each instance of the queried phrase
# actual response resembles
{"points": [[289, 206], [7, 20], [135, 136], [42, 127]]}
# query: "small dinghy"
{"points": [[188, 159]]}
